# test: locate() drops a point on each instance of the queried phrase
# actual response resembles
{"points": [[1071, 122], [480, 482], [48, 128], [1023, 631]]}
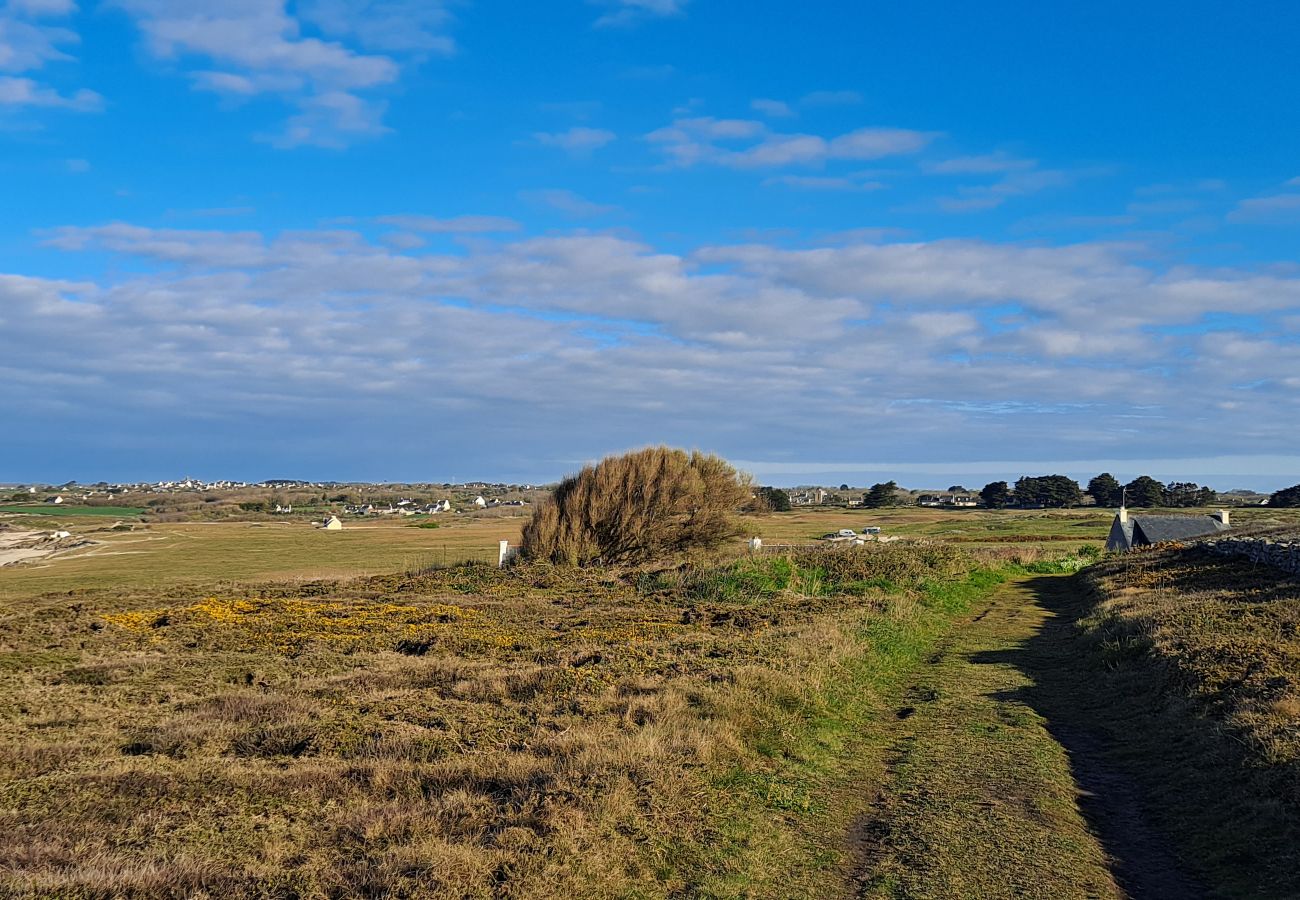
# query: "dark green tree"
{"points": [[1286, 497], [1054, 491], [1145, 491], [880, 495], [1105, 490], [776, 499], [996, 494], [1186, 493]]}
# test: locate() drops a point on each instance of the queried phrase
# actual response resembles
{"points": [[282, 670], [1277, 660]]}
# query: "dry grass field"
{"points": [[269, 710], [465, 732], [162, 555], [165, 554]]}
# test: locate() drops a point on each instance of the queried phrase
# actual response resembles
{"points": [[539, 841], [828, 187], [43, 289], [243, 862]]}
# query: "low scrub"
{"points": [[541, 732], [642, 506], [1216, 643]]}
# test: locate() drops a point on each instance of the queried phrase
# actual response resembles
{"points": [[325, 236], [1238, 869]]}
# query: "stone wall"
{"points": [[1281, 554]]}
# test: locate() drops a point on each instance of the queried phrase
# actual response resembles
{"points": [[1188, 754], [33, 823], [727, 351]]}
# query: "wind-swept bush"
{"points": [[640, 506]]}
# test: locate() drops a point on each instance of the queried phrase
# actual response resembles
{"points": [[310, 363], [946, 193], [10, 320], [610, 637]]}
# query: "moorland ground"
{"points": [[227, 710]]}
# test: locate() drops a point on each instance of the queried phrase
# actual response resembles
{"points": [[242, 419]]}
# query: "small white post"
{"points": [[755, 544], [503, 554]]}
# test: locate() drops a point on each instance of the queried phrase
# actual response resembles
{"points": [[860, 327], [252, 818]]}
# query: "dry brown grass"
{"points": [[458, 733], [1218, 642]]}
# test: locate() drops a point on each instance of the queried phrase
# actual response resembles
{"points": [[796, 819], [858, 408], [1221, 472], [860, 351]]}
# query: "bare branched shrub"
{"points": [[641, 506]]}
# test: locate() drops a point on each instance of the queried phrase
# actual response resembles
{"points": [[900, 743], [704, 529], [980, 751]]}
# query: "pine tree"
{"points": [[1105, 490], [880, 495], [996, 494]]}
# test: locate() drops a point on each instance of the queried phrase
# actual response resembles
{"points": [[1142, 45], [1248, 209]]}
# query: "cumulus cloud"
{"points": [[989, 163], [776, 109], [249, 48], [622, 13], [750, 144], [578, 140], [454, 225], [822, 183], [567, 202], [1015, 183], [1281, 208], [16, 92], [29, 40], [1050, 349]]}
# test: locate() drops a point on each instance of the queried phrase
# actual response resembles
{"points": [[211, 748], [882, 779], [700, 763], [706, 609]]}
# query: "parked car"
{"points": [[871, 529], [846, 532]]}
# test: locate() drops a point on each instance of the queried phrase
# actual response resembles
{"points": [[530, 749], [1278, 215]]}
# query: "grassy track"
{"points": [[1047, 752], [979, 799]]}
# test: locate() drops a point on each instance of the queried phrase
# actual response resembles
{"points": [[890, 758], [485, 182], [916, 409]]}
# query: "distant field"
{"points": [[161, 555], [1064, 529], [61, 510]]}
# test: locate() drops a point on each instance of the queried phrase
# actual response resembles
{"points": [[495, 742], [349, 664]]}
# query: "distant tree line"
{"points": [[1057, 491], [1286, 497]]}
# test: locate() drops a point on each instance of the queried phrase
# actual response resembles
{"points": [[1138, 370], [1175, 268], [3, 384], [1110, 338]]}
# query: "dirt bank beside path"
{"points": [[995, 786]]}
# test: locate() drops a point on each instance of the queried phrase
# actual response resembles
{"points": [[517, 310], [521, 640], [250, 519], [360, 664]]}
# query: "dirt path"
{"points": [[994, 786]]}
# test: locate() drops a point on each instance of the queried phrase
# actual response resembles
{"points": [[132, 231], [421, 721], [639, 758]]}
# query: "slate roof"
{"points": [[1156, 529]]}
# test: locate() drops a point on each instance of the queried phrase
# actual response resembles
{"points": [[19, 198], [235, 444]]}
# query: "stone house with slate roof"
{"points": [[1127, 532]]}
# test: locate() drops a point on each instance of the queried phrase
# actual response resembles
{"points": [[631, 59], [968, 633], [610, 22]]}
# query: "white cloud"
{"points": [[1274, 208], [1052, 350], [578, 140], [567, 202], [26, 92], [822, 183], [334, 119], [706, 140], [409, 26], [455, 225], [254, 47], [28, 42], [989, 163], [631, 12], [776, 109], [974, 198]]}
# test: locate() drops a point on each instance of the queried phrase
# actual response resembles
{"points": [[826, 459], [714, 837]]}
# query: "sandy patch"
{"points": [[23, 546]]}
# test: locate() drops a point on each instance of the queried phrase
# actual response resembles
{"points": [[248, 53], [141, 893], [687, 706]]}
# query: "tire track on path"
{"points": [[983, 797]]}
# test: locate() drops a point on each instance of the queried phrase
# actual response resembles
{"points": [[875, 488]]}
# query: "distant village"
{"points": [[192, 498], [282, 497]]}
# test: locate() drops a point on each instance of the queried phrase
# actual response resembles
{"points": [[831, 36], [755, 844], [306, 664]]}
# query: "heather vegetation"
{"points": [[535, 732], [1203, 652]]}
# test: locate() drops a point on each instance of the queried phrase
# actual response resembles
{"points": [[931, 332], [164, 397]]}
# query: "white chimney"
{"points": [[1123, 515], [1222, 516]]}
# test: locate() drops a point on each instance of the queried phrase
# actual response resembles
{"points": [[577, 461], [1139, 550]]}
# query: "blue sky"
{"points": [[936, 241]]}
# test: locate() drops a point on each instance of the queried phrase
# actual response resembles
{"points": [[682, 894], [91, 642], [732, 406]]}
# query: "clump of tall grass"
{"points": [[646, 505]]}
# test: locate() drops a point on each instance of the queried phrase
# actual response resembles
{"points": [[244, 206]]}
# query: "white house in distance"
{"points": [[480, 502], [333, 523], [54, 500]]}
